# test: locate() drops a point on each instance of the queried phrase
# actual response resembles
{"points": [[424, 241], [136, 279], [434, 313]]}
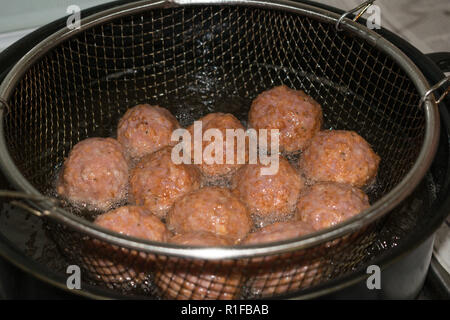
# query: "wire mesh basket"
{"points": [[197, 58]]}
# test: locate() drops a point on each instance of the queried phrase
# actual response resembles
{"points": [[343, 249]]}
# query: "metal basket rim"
{"points": [[376, 211]]}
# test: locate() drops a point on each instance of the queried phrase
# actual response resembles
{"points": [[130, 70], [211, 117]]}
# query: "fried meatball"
{"points": [[268, 196], [183, 279], [326, 204], [95, 174], [297, 116], [135, 221], [145, 129], [280, 273], [115, 265], [279, 231], [340, 156], [220, 121], [156, 182], [210, 209]]}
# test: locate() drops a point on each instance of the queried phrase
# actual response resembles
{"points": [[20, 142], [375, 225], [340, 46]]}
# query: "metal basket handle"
{"points": [[23, 195], [434, 88], [362, 7]]}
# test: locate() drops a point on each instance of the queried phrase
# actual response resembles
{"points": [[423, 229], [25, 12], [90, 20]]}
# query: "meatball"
{"points": [[340, 156], [211, 209], [280, 273], [145, 129], [95, 174], [156, 182], [134, 221], [182, 279], [326, 204], [270, 197], [220, 121], [116, 265], [297, 116], [279, 231]]}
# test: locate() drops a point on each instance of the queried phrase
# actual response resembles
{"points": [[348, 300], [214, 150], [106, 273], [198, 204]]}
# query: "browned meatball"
{"points": [[280, 273], [116, 265], [210, 209], [220, 121], [135, 221], [187, 279], [95, 174], [296, 115], [270, 197], [145, 129], [156, 182], [279, 231], [327, 204], [340, 156]]}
